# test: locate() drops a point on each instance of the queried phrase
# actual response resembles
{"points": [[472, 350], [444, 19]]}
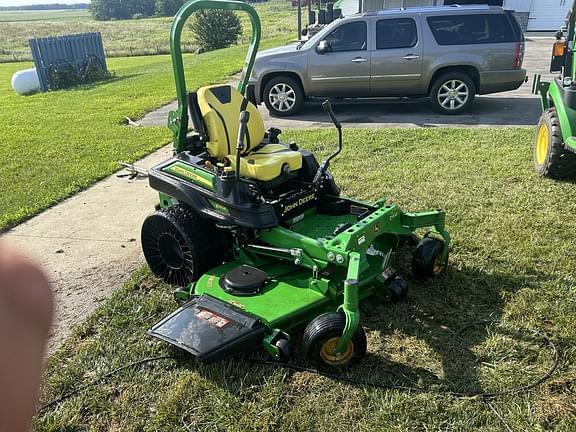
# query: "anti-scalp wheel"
{"points": [[284, 348]]}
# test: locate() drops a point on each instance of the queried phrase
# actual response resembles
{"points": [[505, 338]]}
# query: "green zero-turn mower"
{"points": [[555, 140], [256, 236]]}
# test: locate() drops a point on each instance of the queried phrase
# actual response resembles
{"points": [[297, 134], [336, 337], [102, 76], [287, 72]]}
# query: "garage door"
{"points": [[548, 14]]}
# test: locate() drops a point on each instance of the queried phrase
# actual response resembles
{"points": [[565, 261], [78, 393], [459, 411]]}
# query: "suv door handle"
{"points": [[411, 57], [359, 60]]}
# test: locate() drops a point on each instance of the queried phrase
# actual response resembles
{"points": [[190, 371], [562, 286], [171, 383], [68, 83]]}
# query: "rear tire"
{"points": [[283, 96], [551, 159], [452, 93], [179, 245]]}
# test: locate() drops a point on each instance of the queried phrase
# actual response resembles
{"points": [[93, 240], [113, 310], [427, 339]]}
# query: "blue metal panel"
{"points": [[72, 49]]}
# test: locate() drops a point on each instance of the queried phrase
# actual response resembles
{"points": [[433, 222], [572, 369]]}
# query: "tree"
{"points": [[215, 28], [168, 7], [104, 10]]}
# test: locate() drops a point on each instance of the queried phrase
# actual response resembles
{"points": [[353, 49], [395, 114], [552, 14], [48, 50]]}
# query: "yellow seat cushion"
{"points": [[220, 106], [266, 163]]}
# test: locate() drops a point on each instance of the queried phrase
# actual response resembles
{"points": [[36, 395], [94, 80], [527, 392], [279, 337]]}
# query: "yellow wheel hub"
{"points": [[542, 144], [330, 357]]}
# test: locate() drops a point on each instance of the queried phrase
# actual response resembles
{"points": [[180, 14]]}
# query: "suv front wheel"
{"points": [[452, 93], [283, 96]]}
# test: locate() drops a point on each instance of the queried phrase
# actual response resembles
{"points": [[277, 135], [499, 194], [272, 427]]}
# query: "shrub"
{"points": [[63, 75], [213, 29]]}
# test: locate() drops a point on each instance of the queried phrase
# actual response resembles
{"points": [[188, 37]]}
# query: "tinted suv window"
{"points": [[348, 37], [471, 29], [396, 33]]}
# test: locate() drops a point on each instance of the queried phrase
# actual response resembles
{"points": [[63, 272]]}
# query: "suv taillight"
{"points": [[519, 55]]}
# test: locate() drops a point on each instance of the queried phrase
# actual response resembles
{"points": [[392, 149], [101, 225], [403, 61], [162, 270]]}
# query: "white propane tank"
{"points": [[26, 81]]}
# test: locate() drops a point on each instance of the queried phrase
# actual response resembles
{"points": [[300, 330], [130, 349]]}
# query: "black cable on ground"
{"points": [[353, 381], [99, 380]]}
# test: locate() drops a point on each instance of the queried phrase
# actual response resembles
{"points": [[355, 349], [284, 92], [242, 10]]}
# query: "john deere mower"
{"points": [[555, 140], [256, 237]]}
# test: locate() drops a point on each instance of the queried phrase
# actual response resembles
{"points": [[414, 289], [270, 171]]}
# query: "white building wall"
{"points": [[548, 14], [374, 5], [350, 7], [532, 14], [518, 5]]}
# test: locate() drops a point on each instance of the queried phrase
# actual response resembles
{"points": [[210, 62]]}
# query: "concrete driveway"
{"points": [[514, 108]]}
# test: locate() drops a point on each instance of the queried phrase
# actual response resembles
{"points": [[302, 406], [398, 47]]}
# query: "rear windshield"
{"points": [[472, 29]]}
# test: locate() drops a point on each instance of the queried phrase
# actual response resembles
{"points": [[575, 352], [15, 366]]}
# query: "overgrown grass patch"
{"points": [[512, 263], [56, 143]]}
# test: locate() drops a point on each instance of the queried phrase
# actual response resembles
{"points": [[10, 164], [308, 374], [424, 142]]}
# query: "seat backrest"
{"points": [[220, 106]]}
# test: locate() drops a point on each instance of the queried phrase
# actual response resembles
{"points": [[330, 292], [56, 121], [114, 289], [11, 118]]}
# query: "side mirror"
{"points": [[559, 34], [304, 32], [323, 47]]}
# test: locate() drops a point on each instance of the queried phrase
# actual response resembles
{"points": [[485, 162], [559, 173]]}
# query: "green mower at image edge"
{"points": [[256, 237], [555, 140]]}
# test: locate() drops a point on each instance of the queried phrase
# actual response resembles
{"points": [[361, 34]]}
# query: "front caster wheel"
{"points": [[321, 337], [427, 258]]}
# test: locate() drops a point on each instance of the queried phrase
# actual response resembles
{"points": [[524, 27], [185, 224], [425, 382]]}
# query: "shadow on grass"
{"points": [[426, 342], [437, 329]]}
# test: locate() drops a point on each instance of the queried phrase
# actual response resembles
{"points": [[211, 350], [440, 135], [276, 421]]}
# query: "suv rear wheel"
{"points": [[452, 93], [283, 96]]}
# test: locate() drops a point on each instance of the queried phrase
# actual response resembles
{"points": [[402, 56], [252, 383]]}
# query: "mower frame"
{"points": [[333, 271]]}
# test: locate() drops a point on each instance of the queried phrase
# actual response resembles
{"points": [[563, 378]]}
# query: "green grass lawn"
{"points": [[56, 143], [43, 15], [126, 37], [512, 261]]}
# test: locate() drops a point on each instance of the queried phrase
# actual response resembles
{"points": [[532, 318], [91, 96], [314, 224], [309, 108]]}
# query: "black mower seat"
{"points": [[220, 107]]}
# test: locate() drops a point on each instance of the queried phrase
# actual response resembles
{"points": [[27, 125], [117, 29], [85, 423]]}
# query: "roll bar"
{"points": [[178, 119]]}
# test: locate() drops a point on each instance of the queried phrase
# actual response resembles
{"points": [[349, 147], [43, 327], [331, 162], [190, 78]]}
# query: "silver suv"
{"points": [[446, 53]]}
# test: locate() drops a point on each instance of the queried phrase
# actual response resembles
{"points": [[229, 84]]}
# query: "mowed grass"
{"points": [[56, 143], [512, 263], [43, 15], [127, 37]]}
